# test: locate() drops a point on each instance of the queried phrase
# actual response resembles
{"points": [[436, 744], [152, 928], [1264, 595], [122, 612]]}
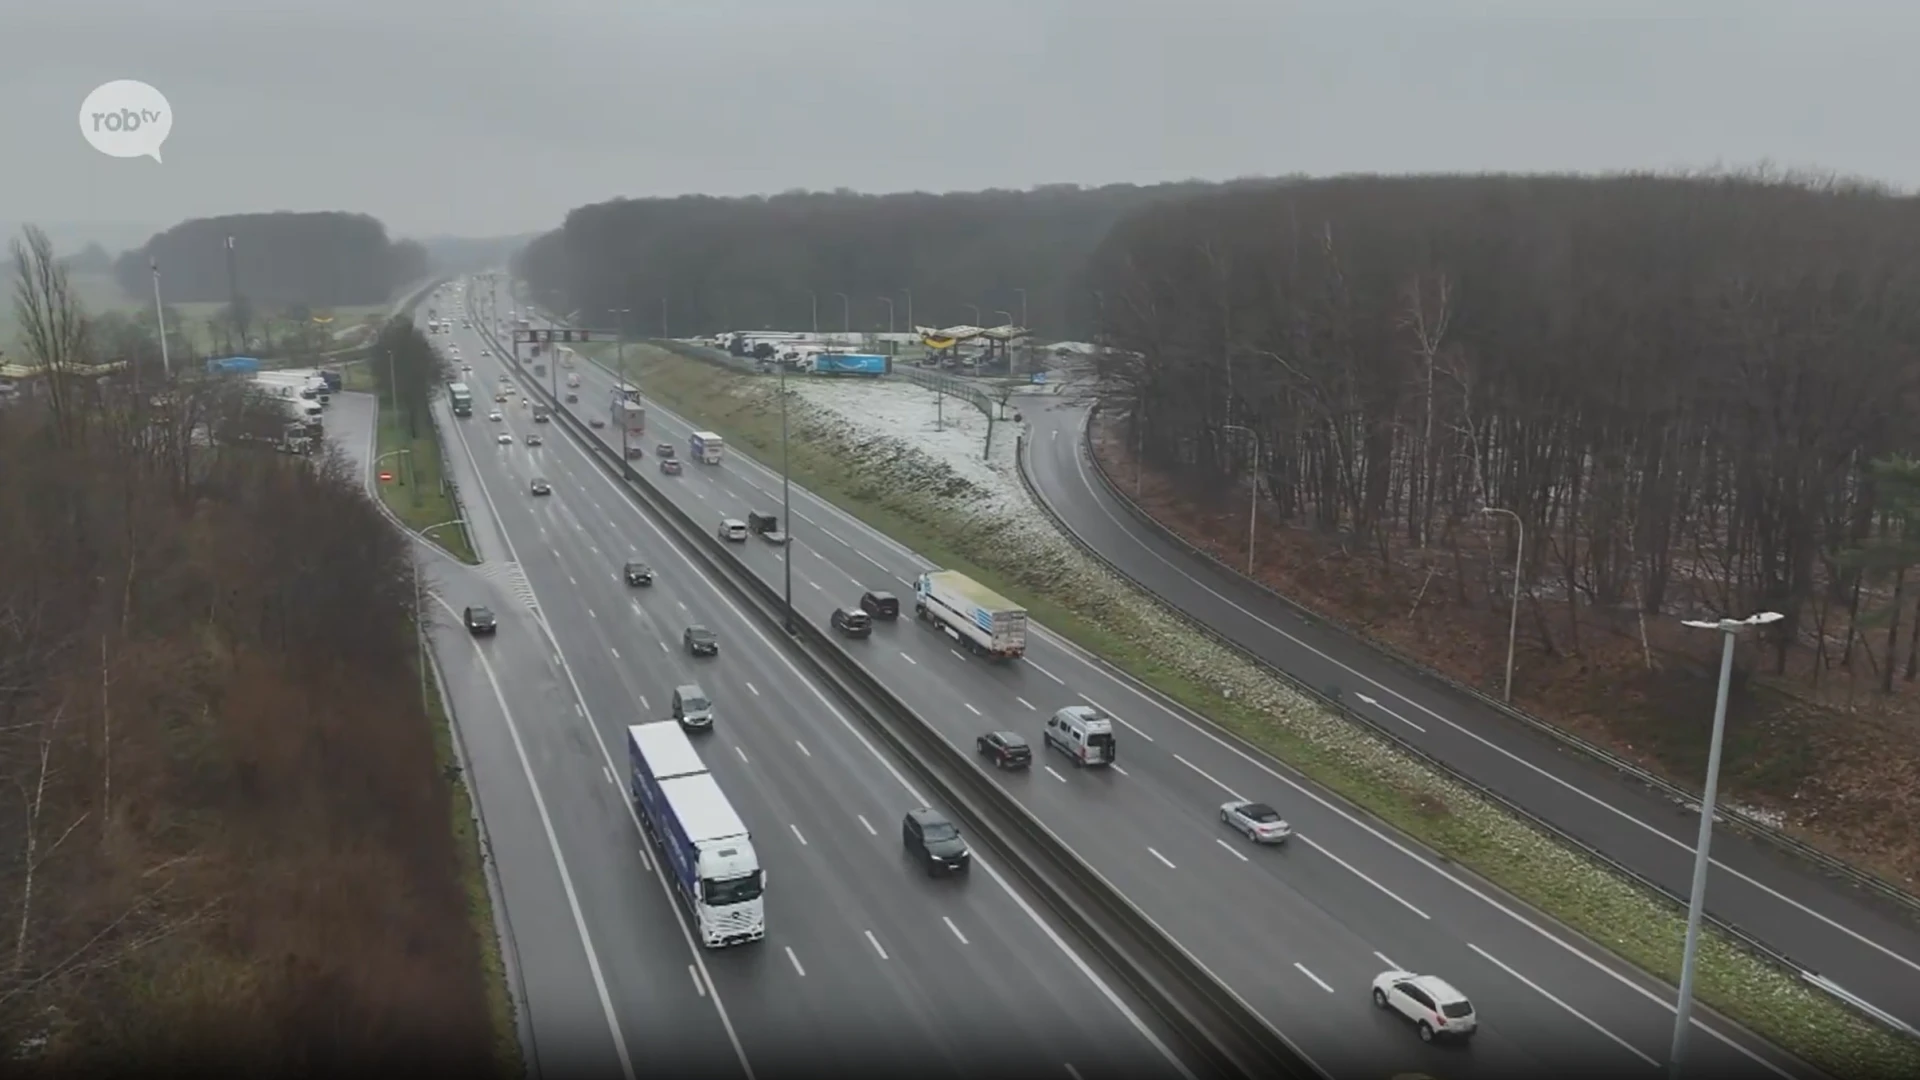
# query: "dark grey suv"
{"points": [[935, 841]]}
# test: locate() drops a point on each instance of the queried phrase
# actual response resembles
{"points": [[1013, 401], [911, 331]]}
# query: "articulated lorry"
{"points": [[982, 620], [703, 843], [461, 397]]}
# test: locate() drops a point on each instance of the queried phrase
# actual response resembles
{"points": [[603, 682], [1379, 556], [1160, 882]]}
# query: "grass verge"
{"points": [[418, 493], [1082, 601], [473, 881]]}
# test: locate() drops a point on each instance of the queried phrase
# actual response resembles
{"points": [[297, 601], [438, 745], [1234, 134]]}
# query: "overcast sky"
{"points": [[479, 117]]}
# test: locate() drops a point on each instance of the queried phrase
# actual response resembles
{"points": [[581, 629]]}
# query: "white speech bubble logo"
{"points": [[126, 118]]}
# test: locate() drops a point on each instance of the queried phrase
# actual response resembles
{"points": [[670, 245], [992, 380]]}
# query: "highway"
{"points": [[868, 963], [1857, 939], [1299, 932]]}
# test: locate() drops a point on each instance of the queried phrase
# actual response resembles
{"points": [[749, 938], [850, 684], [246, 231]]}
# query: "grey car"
{"points": [[1258, 822]]}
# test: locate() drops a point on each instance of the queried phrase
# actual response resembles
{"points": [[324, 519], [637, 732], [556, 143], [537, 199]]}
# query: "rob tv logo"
{"points": [[126, 118]]}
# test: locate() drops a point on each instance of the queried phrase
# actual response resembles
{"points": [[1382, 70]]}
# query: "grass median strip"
{"points": [[418, 492], [922, 504]]}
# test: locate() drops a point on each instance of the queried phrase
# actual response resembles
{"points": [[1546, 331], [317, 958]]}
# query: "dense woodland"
{"points": [[748, 263], [323, 260], [227, 835]]}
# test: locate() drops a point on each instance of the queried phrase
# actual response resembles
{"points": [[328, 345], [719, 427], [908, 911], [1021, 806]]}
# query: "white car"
{"points": [[1434, 1006], [1259, 822], [495, 416], [505, 438]]}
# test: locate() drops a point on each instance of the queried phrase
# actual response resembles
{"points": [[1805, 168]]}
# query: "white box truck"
{"points": [[706, 447], [987, 623], [707, 849]]}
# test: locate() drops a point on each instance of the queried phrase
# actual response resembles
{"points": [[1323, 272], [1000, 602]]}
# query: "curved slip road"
{"points": [[1856, 939], [867, 962], [1299, 932]]}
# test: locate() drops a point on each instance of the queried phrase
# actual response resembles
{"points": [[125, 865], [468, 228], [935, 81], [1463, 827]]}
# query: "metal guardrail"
{"points": [[951, 386], [1181, 990], [1334, 703], [1745, 823]]}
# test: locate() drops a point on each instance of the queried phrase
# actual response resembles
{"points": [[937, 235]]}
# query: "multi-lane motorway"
{"points": [[1299, 932], [1856, 939], [868, 963]]}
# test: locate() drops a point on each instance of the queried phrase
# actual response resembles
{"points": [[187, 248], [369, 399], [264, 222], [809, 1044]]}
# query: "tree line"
{"points": [[227, 843], [752, 263], [1689, 390], [323, 260]]}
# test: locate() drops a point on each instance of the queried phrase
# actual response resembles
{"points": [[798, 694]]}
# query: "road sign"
{"points": [[386, 477], [550, 336]]}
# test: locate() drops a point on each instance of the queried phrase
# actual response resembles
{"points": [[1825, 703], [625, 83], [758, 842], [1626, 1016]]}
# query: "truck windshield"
{"points": [[720, 892]]}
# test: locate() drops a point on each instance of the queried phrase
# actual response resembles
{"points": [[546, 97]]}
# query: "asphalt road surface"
{"points": [[868, 963], [1300, 932], [1856, 939]]}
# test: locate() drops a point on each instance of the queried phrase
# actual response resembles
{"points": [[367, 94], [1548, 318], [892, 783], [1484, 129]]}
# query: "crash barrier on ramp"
{"points": [[1334, 701], [1209, 1015]]}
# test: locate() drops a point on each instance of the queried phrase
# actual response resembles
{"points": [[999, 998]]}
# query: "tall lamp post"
{"points": [[814, 299], [1513, 616], [786, 503], [1683, 1015], [620, 359], [887, 300], [1253, 479], [975, 308]]}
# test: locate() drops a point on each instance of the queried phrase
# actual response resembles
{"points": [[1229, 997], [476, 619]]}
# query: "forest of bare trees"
{"points": [[1694, 393], [225, 834], [323, 260]]}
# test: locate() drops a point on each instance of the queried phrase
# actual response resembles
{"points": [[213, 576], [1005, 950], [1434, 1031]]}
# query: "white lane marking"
{"points": [[1356, 871], [798, 836], [643, 704], [795, 961], [1116, 768], [1116, 716], [1053, 774], [803, 747], [698, 987], [1482, 740], [829, 532], [971, 709], [1025, 702], [578, 711], [1390, 712], [1388, 960], [815, 584], [1162, 858], [871, 559], [1577, 1014], [1216, 780], [876, 945], [1231, 850], [559, 860], [868, 824], [664, 648], [682, 603], [956, 654], [799, 515], [743, 755], [570, 580], [955, 929], [751, 687], [1317, 980], [1047, 673], [609, 775], [1066, 949], [614, 651], [1072, 1073], [909, 659]]}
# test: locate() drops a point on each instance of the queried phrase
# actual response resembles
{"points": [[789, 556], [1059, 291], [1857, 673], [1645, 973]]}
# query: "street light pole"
{"points": [[814, 299], [887, 300], [1696, 905], [786, 501], [620, 360], [160, 316], [1253, 478], [975, 308], [846, 313], [1023, 307], [1513, 615]]}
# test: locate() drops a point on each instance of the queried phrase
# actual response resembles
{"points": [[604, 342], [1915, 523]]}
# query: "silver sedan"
{"points": [[1259, 822]]}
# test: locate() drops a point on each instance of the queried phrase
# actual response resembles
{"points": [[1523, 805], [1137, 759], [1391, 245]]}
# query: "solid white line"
{"points": [[971, 709], [876, 945], [868, 824], [1163, 859], [910, 659], [802, 972], [559, 860], [955, 929], [1025, 702], [742, 753], [756, 692], [1231, 850], [1577, 1014], [803, 748], [1047, 673], [1209, 776], [698, 987], [1116, 716], [1053, 774], [1363, 877], [1311, 975], [797, 835]]}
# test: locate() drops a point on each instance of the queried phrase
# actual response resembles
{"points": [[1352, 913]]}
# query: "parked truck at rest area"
{"points": [[982, 620], [706, 847], [830, 363], [705, 447]]}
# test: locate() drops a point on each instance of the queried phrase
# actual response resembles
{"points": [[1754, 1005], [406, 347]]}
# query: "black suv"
{"points": [[934, 840], [701, 641], [1009, 750], [639, 573], [880, 605], [854, 624], [480, 621]]}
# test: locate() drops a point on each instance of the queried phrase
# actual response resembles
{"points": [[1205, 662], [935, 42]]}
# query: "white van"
{"points": [[1083, 734], [732, 530]]}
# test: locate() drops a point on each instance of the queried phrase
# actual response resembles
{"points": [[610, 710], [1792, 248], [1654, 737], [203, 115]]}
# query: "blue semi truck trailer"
{"points": [[707, 849]]}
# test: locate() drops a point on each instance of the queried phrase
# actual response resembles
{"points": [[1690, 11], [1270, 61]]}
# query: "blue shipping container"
{"points": [[234, 365]]}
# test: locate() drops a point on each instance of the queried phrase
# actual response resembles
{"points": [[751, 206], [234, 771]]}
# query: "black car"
{"points": [[573, 399], [639, 573], [701, 641], [853, 624], [480, 621], [880, 605], [1008, 749], [935, 841], [540, 486]]}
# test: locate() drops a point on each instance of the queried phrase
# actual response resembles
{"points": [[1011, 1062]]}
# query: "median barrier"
{"points": [[1208, 1014], [1334, 703]]}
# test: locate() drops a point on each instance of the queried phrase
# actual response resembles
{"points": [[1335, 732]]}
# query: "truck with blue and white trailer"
{"points": [[832, 363], [980, 619], [706, 848]]}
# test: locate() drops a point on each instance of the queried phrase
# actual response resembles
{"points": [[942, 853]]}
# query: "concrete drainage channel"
{"points": [[1217, 1026]]}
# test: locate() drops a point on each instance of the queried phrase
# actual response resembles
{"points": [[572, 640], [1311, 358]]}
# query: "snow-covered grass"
{"points": [[876, 450]]}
